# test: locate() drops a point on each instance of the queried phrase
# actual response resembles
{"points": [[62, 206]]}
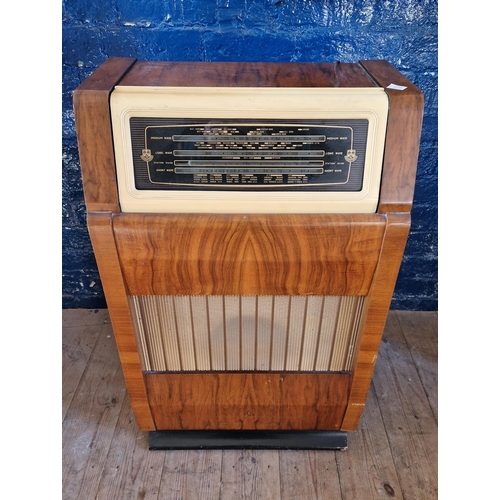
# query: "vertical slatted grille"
{"points": [[254, 333]]}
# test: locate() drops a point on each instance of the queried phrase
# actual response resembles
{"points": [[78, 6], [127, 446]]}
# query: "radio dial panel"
{"points": [[248, 150], [248, 154]]}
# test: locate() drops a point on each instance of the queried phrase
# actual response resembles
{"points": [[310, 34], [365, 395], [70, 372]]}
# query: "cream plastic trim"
{"points": [[251, 103]]}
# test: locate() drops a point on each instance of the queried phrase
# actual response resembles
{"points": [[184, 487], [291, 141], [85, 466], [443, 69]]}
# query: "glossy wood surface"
{"points": [[101, 235], [247, 74], [219, 254], [375, 315], [251, 400], [95, 142], [192, 254], [402, 139]]}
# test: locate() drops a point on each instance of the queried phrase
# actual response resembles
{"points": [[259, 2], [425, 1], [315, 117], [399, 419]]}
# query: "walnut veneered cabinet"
{"points": [[248, 222]]}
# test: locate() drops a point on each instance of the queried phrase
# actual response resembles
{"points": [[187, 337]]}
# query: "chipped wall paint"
{"points": [[402, 31]]}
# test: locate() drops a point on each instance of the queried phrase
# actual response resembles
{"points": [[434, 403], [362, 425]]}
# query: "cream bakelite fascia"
{"points": [[249, 103]]}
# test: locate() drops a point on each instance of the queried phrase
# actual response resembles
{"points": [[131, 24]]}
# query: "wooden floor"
{"points": [[393, 454]]}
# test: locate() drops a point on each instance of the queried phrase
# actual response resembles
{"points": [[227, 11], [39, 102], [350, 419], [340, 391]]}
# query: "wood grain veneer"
{"points": [[402, 139], [93, 129], [228, 254], [101, 235], [375, 315], [219, 254], [247, 74], [236, 400]]}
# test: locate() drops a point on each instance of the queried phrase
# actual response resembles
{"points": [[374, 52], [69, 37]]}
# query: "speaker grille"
{"points": [[246, 333]]}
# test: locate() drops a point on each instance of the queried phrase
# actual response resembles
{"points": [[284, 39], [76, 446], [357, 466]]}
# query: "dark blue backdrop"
{"points": [[404, 32]]}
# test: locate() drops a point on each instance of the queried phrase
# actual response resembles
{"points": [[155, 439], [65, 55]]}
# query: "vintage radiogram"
{"points": [[248, 221]]}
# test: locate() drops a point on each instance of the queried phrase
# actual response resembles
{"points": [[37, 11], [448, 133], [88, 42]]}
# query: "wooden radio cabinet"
{"points": [[248, 222]]}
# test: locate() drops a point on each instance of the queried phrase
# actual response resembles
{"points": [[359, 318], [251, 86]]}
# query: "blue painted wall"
{"points": [[404, 32]]}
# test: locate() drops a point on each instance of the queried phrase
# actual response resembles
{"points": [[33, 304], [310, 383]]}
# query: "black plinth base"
{"points": [[231, 440]]}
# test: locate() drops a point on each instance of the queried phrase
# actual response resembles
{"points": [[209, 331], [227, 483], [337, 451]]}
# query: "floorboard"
{"points": [[252, 474], [367, 471], [408, 418], [393, 455]]}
